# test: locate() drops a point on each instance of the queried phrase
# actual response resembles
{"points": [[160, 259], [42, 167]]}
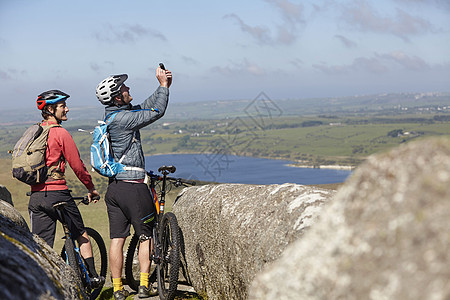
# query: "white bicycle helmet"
{"points": [[109, 88]]}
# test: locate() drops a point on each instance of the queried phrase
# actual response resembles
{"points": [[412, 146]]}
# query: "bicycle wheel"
{"points": [[100, 259], [183, 263], [168, 268], [132, 269], [72, 259]]}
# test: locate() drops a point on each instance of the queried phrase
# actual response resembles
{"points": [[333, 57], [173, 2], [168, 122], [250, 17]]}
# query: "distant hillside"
{"points": [[262, 105], [312, 132]]}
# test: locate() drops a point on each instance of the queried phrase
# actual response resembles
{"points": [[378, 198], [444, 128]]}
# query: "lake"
{"points": [[238, 169]]}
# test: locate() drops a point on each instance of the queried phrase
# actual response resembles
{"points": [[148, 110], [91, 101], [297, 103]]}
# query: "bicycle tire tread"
{"points": [[169, 225], [95, 236], [73, 263], [132, 282]]}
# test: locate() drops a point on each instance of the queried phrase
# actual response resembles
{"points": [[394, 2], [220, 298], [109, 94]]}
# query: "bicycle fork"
{"points": [[68, 235], [84, 273]]}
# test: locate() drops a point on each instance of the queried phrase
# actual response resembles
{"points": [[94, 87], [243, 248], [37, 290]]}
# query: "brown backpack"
{"points": [[28, 156]]}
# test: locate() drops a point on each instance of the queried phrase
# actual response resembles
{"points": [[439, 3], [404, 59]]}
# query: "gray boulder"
{"points": [[29, 268], [231, 231], [8, 211], [385, 235], [5, 195]]}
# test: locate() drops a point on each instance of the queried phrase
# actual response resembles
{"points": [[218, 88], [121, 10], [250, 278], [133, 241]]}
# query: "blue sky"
{"points": [[224, 50]]}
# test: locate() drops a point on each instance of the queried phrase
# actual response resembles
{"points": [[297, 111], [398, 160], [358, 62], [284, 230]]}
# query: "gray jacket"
{"points": [[124, 130]]}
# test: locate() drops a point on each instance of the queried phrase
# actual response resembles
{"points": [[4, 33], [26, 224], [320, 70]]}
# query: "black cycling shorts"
{"points": [[129, 204], [44, 217]]}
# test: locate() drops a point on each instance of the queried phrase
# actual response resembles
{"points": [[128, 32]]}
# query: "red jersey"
{"points": [[61, 148]]}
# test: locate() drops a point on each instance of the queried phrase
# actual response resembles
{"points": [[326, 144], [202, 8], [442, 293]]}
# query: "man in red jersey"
{"points": [[61, 148]]}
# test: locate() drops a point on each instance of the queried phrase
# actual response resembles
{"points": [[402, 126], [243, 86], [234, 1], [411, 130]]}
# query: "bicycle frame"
{"points": [[68, 236], [160, 203], [156, 251], [84, 274]]}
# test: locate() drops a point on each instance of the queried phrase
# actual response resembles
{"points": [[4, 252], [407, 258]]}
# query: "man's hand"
{"points": [[164, 77], [93, 193]]}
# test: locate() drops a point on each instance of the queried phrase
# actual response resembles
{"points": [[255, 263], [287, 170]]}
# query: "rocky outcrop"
{"points": [[385, 235], [29, 268], [232, 230], [5, 195], [8, 211]]}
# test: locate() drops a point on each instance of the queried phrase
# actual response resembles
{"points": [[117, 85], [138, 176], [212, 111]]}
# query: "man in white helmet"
{"points": [[128, 198]]}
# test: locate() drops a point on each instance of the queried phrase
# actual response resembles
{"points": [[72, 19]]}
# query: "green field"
{"points": [[341, 140]]}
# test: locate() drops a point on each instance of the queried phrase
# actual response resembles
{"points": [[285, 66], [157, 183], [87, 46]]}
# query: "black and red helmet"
{"points": [[50, 97]]}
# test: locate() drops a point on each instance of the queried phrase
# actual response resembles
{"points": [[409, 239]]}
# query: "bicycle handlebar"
{"points": [[180, 181], [175, 181], [85, 199]]}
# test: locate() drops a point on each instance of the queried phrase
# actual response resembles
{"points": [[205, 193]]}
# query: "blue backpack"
{"points": [[102, 158]]}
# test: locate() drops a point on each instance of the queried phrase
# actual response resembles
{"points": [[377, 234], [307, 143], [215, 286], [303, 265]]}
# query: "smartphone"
{"points": [[161, 65]]}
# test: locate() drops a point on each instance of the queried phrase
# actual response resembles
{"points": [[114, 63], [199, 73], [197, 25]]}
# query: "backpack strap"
{"points": [[134, 169], [54, 171], [134, 110], [111, 114]]}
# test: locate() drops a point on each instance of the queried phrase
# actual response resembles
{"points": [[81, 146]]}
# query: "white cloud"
{"points": [[378, 64], [245, 67], [298, 63], [101, 67], [4, 75], [361, 16], [413, 63], [345, 41], [261, 34], [127, 34], [189, 60], [445, 4], [95, 67], [12, 74], [291, 12], [286, 33]]}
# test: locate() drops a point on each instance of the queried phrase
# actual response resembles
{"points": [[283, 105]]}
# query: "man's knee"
{"points": [[117, 243]]}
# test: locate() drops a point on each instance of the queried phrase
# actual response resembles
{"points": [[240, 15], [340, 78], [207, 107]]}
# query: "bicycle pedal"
{"points": [[156, 260]]}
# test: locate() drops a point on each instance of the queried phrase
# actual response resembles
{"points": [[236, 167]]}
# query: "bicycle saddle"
{"points": [[171, 169]]}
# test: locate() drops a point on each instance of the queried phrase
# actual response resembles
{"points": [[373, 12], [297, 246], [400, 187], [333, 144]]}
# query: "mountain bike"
{"points": [[166, 239], [71, 252]]}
